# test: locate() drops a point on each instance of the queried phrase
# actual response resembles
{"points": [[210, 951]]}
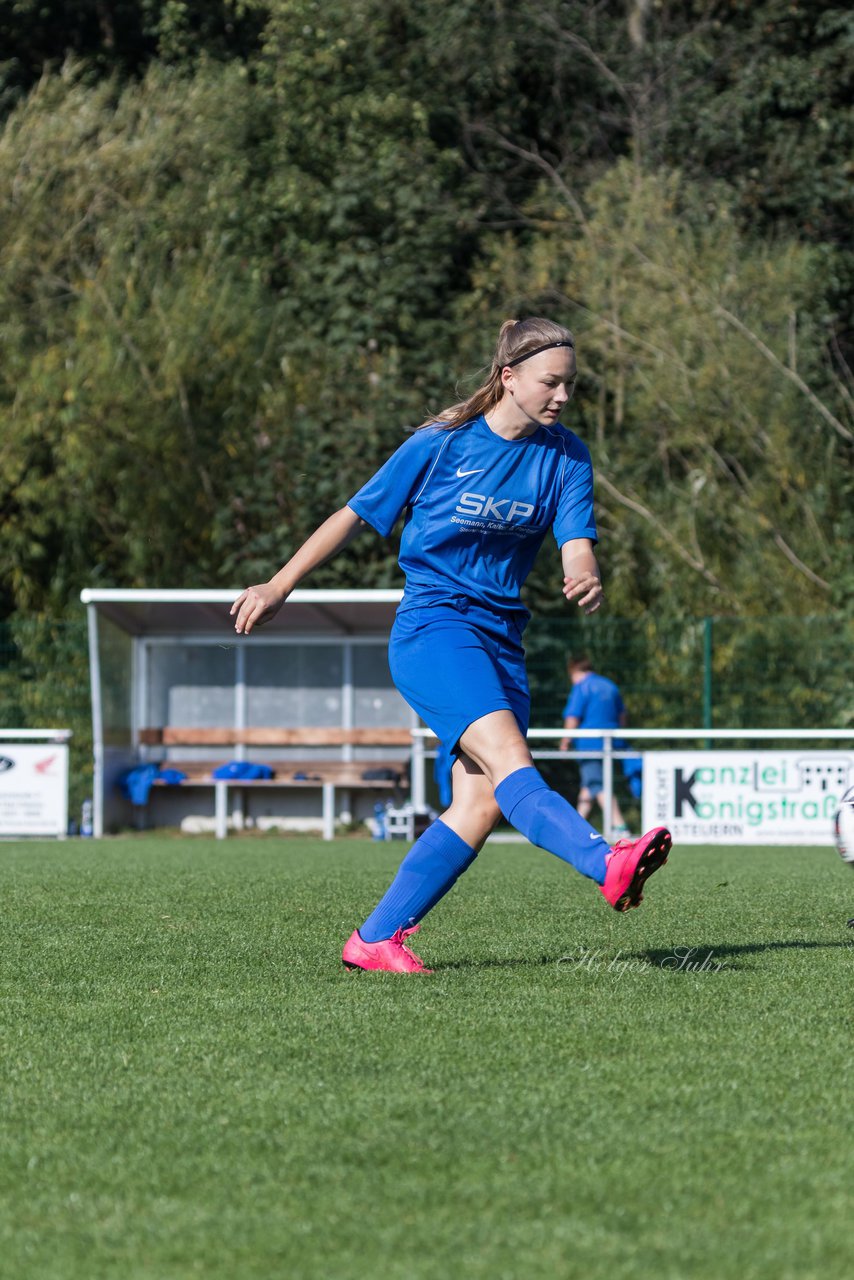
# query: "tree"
{"points": [[117, 37], [178, 405], [132, 328], [722, 470]]}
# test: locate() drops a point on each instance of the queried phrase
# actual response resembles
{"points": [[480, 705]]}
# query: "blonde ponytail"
{"points": [[517, 339]]}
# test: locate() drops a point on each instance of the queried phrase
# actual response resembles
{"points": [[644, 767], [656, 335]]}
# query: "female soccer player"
{"points": [[480, 485]]}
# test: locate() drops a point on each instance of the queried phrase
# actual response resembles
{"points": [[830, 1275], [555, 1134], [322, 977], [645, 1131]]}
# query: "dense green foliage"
{"points": [[194, 1086], [243, 246]]}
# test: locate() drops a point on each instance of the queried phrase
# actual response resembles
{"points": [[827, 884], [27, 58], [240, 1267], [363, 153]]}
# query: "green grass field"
{"points": [[193, 1086]]}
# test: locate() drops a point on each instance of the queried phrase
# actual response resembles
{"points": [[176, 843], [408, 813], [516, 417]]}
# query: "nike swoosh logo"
{"points": [[462, 474], [594, 836]]}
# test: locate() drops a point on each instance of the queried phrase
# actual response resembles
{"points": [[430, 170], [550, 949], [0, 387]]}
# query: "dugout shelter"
{"points": [[166, 664]]}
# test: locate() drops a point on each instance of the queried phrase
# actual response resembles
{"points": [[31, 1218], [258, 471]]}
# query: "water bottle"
{"points": [[86, 828], [379, 821]]}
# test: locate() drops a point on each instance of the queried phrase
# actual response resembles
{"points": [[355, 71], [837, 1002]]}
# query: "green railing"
{"points": [[711, 672]]}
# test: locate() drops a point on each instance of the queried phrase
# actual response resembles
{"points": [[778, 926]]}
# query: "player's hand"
{"points": [[255, 606], [585, 590]]}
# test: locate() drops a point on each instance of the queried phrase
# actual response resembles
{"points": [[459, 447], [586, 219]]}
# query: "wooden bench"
{"points": [[325, 773]]}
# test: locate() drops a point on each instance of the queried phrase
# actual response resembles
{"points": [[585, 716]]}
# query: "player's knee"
{"points": [[496, 743], [506, 758]]}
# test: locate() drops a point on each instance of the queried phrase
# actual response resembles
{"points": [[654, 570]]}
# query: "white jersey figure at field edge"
{"points": [[479, 486]]}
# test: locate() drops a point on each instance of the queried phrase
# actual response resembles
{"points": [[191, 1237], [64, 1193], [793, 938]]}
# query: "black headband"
{"points": [[527, 356]]}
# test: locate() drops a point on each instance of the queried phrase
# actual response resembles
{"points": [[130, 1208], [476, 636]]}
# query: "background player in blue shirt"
{"points": [[479, 487], [594, 702]]}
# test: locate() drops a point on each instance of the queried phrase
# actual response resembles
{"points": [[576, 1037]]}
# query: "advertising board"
{"points": [[745, 797], [33, 789]]}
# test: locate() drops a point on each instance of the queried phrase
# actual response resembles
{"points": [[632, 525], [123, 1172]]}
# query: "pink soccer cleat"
{"points": [[630, 863], [390, 955]]}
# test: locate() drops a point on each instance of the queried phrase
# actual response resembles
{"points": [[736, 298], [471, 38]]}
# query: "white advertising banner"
{"points": [[33, 789], [745, 797]]}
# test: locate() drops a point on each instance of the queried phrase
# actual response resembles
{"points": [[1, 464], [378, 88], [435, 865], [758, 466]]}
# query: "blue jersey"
{"points": [[477, 508], [596, 703]]}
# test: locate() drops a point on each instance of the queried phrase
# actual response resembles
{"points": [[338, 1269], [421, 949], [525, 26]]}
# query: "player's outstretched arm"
{"points": [[257, 605], [582, 580]]}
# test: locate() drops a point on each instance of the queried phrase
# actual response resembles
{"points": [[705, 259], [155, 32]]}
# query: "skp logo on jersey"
{"points": [[479, 504]]}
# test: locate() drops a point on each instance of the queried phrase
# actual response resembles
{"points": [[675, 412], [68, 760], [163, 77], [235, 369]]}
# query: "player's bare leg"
{"points": [[497, 746]]}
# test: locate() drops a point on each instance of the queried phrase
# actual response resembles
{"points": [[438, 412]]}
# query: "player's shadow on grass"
{"points": [[499, 962], [728, 954], [656, 957]]}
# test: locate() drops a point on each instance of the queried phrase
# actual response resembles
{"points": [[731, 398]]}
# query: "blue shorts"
{"points": [[591, 776], [456, 662]]}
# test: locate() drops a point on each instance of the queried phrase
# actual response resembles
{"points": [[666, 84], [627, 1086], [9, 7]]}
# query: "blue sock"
{"points": [[432, 866], [528, 802]]}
